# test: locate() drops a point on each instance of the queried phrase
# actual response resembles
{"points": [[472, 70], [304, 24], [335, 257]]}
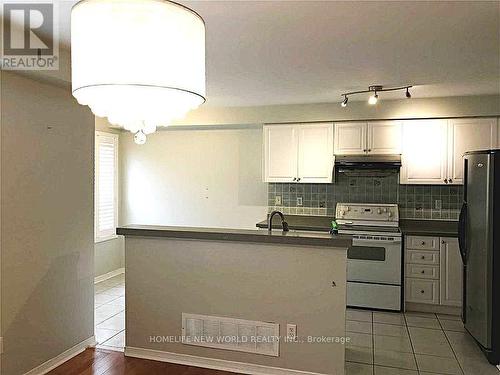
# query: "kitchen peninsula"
{"points": [[203, 282]]}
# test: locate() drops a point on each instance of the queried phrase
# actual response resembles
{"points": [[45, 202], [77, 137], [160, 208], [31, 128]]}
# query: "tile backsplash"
{"points": [[437, 202]]}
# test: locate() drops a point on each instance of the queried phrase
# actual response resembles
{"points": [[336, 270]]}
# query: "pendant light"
{"points": [[140, 63]]}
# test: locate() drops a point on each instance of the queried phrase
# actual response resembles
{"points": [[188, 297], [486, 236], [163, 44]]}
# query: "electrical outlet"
{"points": [[437, 204], [277, 200], [299, 201], [291, 331]]}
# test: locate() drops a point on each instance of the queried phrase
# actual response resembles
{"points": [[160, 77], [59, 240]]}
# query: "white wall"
{"points": [[47, 148], [208, 178], [456, 106]]}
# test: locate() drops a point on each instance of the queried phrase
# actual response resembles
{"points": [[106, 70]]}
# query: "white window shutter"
{"points": [[106, 189]]}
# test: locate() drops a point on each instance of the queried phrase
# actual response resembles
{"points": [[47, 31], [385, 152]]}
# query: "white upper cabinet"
{"points": [[357, 138], [315, 153], [424, 158], [468, 135], [384, 137], [433, 149], [280, 153], [298, 153], [350, 138]]}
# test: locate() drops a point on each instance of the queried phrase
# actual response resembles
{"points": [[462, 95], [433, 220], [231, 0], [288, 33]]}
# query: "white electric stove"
{"points": [[374, 261]]}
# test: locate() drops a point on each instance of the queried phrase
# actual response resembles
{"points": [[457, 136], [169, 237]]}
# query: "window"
{"points": [[106, 186]]}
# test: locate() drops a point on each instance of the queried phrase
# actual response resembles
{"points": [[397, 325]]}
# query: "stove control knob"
{"points": [[385, 209], [390, 214], [379, 211]]}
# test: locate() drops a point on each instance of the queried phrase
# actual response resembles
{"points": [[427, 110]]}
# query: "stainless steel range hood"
{"points": [[376, 162]]}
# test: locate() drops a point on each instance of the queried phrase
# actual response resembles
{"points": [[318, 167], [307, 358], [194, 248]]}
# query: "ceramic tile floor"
{"points": [[109, 313], [411, 344]]}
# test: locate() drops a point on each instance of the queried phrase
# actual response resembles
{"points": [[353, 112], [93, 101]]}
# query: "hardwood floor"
{"points": [[104, 362]]}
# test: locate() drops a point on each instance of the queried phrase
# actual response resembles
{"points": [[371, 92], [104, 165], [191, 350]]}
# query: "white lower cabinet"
{"points": [[420, 271], [451, 273], [422, 291], [433, 270]]}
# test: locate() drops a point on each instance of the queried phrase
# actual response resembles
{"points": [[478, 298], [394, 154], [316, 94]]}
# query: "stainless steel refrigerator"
{"points": [[479, 240]]}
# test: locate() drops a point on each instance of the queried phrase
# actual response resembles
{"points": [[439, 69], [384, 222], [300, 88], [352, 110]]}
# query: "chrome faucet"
{"points": [[284, 224]]}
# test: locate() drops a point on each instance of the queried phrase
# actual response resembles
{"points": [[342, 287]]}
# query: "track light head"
{"points": [[408, 95], [344, 102], [373, 99]]}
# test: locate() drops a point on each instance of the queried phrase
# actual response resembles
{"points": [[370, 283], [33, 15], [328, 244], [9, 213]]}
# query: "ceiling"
{"points": [[288, 52]]}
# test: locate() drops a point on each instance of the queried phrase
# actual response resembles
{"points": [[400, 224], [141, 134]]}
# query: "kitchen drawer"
{"points": [[422, 291], [420, 271], [422, 243], [422, 257]]}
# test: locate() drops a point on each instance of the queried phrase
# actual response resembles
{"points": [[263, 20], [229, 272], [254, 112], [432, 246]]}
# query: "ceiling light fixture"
{"points": [[140, 63], [375, 89]]}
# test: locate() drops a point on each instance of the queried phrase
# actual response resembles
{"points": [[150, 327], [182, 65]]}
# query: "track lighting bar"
{"points": [[375, 89]]}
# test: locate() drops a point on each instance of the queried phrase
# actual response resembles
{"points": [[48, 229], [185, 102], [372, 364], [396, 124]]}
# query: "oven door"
{"points": [[374, 260]]}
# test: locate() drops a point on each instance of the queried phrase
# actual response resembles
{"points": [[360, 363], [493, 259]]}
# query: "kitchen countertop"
{"points": [[301, 222], [408, 226], [429, 227], [239, 235]]}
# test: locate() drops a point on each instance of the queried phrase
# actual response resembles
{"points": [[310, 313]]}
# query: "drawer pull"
{"points": [[422, 271], [423, 243], [423, 257], [422, 291]]}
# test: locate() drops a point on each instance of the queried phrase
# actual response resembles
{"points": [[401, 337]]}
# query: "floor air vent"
{"points": [[231, 334]]}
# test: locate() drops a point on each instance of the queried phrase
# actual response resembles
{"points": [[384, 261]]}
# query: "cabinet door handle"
{"points": [[422, 271], [298, 179], [445, 180], [369, 150], [450, 180], [295, 179], [423, 257], [443, 242], [422, 291], [423, 243]]}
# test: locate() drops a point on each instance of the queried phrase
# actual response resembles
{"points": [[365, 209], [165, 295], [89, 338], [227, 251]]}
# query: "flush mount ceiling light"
{"points": [[140, 63], [375, 89]]}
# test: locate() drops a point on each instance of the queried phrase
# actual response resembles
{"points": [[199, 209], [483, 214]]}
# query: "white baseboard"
{"points": [[109, 275], [63, 357], [437, 309], [211, 363]]}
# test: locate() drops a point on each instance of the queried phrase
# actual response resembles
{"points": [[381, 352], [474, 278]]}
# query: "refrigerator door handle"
{"points": [[462, 235]]}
